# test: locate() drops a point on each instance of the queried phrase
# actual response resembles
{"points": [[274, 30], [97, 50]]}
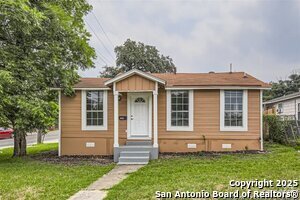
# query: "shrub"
{"points": [[276, 129]]}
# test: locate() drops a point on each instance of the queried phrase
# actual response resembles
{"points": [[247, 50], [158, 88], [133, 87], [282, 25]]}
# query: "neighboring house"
{"points": [[136, 115], [285, 105]]}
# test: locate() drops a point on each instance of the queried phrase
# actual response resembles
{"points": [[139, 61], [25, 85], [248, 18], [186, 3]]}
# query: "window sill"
{"points": [[228, 129], [180, 128], [94, 128]]}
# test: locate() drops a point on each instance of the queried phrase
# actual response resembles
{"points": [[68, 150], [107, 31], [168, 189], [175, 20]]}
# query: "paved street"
{"points": [[52, 136]]}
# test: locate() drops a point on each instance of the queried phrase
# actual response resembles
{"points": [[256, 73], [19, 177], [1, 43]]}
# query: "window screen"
{"points": [[180, 108], [94, 108], [233, 108]]}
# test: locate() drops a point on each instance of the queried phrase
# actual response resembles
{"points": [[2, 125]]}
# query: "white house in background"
{"points": [[285, 105]]}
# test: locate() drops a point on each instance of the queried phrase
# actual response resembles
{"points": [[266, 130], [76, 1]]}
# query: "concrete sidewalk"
{"points": [[97, 190]]}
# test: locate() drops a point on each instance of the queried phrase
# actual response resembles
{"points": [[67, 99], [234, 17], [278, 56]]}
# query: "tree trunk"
{"points": [[19, 144], [39, 136]]}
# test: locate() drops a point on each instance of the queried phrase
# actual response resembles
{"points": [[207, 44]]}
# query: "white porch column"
{"points": [[116, 117], [59, 123], [155, 93]]}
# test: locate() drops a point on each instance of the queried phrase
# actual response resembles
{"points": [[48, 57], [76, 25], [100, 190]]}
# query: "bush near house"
{"points": [[281, 130]]}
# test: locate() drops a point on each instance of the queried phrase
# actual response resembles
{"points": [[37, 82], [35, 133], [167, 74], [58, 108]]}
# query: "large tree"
{"points": [[43, 44], [137, 55], [283, 87]]}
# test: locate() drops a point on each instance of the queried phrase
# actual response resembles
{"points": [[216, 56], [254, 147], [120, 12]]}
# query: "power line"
{"points": [[101, 57], [99, 40], [98, 21]]}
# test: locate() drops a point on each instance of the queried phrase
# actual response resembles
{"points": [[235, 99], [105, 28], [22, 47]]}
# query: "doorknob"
{"points": [[131, 117]]}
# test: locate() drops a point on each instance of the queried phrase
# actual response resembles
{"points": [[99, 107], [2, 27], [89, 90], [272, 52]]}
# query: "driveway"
{"points": [[52, 136]]}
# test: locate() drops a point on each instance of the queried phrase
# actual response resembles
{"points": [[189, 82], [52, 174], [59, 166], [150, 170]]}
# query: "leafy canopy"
{"points": [[42, 45], [137, 55], [283, 87]]}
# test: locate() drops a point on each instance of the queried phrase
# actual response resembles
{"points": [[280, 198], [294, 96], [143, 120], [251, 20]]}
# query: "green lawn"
{"points": [[26, 178], [199, 172]]}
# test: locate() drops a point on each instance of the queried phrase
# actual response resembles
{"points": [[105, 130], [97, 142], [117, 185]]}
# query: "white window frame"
{"points": [[191, 113], [86, 127], [245, 113]]}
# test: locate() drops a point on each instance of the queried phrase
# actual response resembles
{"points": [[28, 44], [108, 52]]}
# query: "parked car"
{"points": [[6, 133]]}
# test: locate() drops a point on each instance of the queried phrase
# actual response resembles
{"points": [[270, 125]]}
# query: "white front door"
{"points": [[139, 115]]}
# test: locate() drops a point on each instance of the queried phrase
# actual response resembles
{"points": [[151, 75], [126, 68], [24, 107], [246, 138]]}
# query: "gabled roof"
{"points": [[132, 72], [182, 80], [283, 98]]}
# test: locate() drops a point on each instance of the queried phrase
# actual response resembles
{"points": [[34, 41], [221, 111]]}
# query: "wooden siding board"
{"points": [[206, 123]]}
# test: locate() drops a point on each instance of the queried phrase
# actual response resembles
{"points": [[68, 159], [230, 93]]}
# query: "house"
{"points": [[284, 106], [136, 115]]}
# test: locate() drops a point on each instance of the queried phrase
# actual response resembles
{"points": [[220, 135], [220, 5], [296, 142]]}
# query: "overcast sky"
{"points": [[259, 37]]}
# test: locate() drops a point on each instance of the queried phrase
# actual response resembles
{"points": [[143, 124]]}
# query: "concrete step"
{"points": [[132, 163], [135, 148], [133, 160], [134, 153], [139, 143]]}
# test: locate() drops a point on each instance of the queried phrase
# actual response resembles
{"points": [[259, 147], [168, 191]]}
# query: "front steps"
{"points": [[135, 152]]}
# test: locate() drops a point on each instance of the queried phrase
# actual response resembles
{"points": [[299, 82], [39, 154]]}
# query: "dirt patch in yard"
{"points": [[207, 153], [52, 157]]}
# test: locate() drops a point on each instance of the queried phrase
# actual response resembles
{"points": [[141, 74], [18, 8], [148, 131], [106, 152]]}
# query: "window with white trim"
{"points": [[94, 110], [234, 110], [180, 110]]}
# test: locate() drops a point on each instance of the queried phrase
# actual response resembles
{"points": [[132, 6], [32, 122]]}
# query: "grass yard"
{"points": [[27, 178], [200, 172]]}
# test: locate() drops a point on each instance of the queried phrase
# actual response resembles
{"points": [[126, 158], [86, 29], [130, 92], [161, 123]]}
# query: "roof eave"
{"points": [[132, 72]]}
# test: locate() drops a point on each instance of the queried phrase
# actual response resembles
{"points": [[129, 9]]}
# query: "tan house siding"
{"points": [[135, 83], [206, 133]]}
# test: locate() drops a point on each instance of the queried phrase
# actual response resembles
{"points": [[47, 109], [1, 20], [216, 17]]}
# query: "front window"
{"points": [[233, 108], [94, 110], [180, 110]]}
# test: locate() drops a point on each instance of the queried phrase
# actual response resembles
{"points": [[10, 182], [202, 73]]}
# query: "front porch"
{"points": [[141, 91]]}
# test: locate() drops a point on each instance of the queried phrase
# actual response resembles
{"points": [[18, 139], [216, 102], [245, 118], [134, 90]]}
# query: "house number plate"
{"points": [[122, 117]]}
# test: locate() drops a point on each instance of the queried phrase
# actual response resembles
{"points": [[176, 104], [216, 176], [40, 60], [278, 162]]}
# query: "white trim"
{"points": [[216, 87], [132, 72], [261, 122], [149, 96], [155, 116], [191, 114], [91, 88], [58, 89], [116, 117], [84, 127], [245, 113], [59, 123]]}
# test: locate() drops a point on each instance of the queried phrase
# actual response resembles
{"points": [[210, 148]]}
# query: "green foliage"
{"points": [[137, 55], [43, 44], [283, 87], [280, 129]]}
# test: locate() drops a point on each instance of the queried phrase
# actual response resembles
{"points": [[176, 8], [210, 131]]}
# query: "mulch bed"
{"points": [[208, 153], [52, 157]]}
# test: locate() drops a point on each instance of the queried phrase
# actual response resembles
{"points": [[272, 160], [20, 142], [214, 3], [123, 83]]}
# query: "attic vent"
{"points": [[211, 72], [245, 75]]}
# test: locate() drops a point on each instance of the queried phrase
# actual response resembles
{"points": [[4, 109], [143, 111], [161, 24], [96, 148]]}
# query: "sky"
{"points": [[261, 38]]}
